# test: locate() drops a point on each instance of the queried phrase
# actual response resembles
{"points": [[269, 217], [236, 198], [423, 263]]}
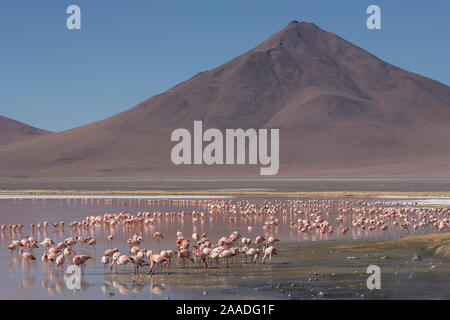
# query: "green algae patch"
{"points": [[437, 244]]}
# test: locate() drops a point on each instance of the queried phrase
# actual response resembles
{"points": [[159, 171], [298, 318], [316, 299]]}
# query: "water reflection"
{"points": [[111, 287]]}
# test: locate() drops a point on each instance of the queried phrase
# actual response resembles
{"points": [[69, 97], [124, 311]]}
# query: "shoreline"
{"points": [[220, 186], [62, 192]]}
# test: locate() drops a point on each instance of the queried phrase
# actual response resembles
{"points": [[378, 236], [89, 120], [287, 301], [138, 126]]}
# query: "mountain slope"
{"points": [[340, 110], [13, 131]]}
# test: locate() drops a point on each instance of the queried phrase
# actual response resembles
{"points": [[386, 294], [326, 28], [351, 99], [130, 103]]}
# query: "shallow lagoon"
{"points": [[308, 266]]}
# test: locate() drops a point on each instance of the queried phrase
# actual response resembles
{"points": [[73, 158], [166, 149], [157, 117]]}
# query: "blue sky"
{"points": [[127, 51]]}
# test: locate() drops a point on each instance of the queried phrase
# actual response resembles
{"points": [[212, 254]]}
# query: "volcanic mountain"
{"points": [[340, 111], [13, 131]]}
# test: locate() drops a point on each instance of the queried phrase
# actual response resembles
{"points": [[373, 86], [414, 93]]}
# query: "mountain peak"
{"points": [[340, 110], [303, 25], [293, 34]]}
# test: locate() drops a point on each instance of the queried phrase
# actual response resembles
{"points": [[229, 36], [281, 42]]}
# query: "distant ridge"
{"points": [[13, 131], [340, 111]]}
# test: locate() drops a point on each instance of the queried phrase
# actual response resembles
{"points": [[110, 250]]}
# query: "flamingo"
{"points": [[115, 258], [26, 255], [137, 261], [252, 253], [155, 259], [110, 239], [92, 243], [158, 235], [105, 260], [123, 260], [272, 240], [259, 240], [225, 254], [268, 252], [60, 260]]}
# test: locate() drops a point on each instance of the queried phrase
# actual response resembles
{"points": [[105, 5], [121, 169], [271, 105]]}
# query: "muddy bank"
{"points": [[437, 244], [218, 184], [100, 194]]}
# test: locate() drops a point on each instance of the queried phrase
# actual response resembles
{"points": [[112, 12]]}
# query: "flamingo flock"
{"points": [[203, 253], [317, 216]]}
